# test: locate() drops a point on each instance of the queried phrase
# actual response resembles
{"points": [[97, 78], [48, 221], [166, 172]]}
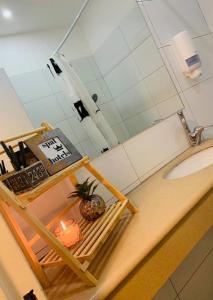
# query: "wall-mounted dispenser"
{"points": [[187, 55]]}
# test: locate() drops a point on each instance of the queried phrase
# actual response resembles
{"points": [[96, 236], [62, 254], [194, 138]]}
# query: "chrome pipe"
{"points": [[70, 28]]}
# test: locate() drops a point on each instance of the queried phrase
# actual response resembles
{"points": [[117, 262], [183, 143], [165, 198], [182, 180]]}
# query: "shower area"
{"points": [[107, 89]]}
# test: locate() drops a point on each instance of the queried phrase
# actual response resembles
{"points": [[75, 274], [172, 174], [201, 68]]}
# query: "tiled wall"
{"points": [[43, 100], [129, 164], [167, 18], [193, 278], [126, 70]]}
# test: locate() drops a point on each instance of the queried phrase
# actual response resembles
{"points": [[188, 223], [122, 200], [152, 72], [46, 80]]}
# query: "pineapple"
{"points": [[92, 206]]}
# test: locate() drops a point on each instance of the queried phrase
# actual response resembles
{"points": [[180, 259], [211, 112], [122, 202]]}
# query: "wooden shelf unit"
{"points": [[79, 257], [94, 234]]}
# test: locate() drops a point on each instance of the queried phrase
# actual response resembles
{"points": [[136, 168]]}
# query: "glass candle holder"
{"points": [[68, 233]]}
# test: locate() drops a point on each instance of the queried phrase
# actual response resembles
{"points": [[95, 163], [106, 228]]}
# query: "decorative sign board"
{"points": [[27, 178], [54, 149]]}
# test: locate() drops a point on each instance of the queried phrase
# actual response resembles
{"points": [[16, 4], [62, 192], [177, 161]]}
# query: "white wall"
{"points": [[99, 20], [27, 52], [11, 109], [16, 276], [2, 295]]}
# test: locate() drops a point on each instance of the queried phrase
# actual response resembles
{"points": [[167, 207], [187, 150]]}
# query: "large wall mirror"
{"points": [[114, 54]]}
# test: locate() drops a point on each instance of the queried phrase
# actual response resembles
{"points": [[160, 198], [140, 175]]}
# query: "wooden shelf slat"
{"points": [[96, 233]]}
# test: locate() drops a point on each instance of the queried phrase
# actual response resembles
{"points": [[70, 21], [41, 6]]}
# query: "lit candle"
{"points": [[68, 233], [64, 227]]}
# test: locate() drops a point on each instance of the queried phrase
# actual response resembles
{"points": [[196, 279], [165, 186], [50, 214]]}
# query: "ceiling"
{"points": [[33, 15]]}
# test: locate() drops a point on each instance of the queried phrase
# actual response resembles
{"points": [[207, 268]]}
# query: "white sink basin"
{"points": [[192, 164]]}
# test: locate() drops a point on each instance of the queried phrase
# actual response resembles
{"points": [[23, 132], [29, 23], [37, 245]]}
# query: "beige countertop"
{"points": [[162, 204]]}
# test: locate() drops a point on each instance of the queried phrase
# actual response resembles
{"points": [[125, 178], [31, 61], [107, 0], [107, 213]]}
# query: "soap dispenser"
{"points": [[187, 55]]}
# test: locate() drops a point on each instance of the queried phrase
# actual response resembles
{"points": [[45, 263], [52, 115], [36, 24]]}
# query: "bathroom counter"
{"points": [[163, 204]]}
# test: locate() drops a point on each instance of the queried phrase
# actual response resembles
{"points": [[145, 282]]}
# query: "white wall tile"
{"points": [[77, 129], [147, 57], [115, 166], [207, 8], [89, 149], [156, 145], [66, 104], [141, 121], [111, 52], [192, 261], [123, 77], [188, 113], [100, 88], [80, 149], [130, 187], [160, 85], [171, 16], [199, 99], [121, 132], [134, 101], [86, 69], [111, 113], [52, 81], [134, 28], [200, 287], [31, 86], [67, 130], [168, 107], [46, 109], [169, 68], [204, 46]]}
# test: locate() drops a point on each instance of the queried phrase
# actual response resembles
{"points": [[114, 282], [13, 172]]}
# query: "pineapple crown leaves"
{"points": [[84, 190]]}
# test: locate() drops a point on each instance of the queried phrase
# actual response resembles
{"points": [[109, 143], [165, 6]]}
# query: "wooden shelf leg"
{"points": [[110, 187], [51, 240], [23, 243], [73, 179]]}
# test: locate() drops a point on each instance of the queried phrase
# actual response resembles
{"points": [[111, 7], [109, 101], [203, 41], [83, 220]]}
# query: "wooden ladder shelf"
{"points": [[79, 257]]}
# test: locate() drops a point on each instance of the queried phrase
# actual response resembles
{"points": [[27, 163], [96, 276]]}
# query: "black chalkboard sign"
{"points": [[27, 178], [54, 149]]}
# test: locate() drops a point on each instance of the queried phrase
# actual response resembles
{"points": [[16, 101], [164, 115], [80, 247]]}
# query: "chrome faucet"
{"points": [[195, 136]]}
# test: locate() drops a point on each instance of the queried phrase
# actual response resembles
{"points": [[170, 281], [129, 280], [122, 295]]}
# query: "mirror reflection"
{"points": [[113, 82]]}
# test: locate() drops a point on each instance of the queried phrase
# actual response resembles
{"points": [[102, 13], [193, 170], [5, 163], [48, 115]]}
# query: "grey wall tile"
{"points": [[192, 262], [200, 287], [167, 292]]}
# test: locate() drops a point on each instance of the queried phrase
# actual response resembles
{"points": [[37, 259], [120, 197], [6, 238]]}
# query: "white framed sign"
{"points": [[54, 149]]}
